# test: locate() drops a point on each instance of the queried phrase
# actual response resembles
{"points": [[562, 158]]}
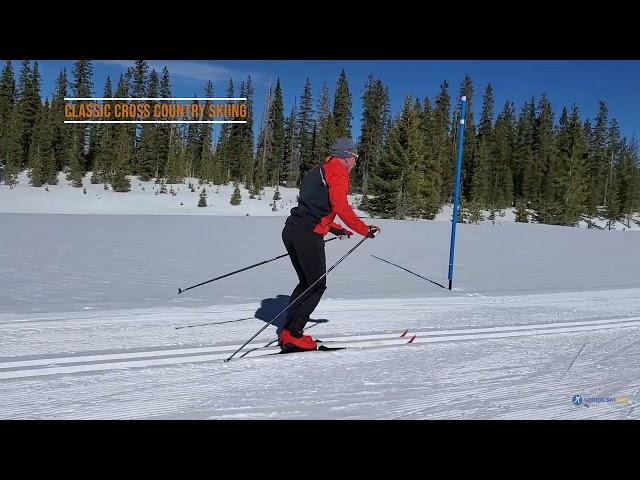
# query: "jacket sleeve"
{"points": [[338, 189]]}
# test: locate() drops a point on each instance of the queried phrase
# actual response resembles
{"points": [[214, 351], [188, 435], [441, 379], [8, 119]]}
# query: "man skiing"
{"points": [[323, 195]]}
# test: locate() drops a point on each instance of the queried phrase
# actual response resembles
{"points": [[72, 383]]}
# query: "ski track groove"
{"points": [[451, 400], [204, 354]]}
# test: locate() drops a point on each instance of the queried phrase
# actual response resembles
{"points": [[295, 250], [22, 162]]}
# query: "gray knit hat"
{"points": [[344, 148]]}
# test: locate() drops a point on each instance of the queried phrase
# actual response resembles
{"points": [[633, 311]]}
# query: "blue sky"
{"points": [[564, 82]]}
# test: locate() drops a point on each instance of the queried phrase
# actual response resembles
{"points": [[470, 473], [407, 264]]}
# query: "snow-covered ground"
{"points": [[91, 325]]}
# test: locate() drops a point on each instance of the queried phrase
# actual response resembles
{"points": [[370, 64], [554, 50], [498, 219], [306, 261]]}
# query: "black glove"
{"points": [[372, 231], [341, 232]]}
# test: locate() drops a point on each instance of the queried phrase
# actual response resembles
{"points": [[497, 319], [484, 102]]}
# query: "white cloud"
{"points": [[198, 70]]}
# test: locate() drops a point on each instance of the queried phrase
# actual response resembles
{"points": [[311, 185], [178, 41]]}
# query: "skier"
{"points": [[323, 195]]}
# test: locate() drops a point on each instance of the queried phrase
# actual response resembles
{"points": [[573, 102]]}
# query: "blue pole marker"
{"points": [[456, 198]]}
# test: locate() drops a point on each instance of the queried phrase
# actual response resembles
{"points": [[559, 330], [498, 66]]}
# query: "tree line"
{"points": [[554, 168]]}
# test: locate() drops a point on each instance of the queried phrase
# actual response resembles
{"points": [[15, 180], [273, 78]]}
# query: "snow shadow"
{"points": [[409, 271], [270, 307]]}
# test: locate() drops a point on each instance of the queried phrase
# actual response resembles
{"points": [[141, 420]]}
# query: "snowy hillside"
{"points": [[143, 200]]}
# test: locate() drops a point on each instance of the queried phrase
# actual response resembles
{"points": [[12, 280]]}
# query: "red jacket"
{"points": [[323, 195]]}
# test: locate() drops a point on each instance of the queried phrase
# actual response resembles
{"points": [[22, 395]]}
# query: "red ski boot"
{"points": [[289, 343]]}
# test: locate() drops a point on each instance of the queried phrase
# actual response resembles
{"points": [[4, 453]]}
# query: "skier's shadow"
{"points": [[270, 307]]}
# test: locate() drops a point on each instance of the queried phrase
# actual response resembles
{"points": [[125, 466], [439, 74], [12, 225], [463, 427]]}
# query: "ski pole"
{"points": [[298, 298], [180, 290]]}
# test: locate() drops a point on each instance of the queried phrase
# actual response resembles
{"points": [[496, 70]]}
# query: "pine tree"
{"points": [[427, 166], [475, 213], [613, 209], [386, 177], [492, 215], [325, 136], [94, 141], [245, 132], [314, 147], [121, 168], [7, 94], [539, 174], [588, 137], [441, 148], [632, 193], [164, 130], [414, 152], [202, 202], [7, 98], [193, 148], [612, 196], [147, 155], [264, 154], [501, 174], [42, 162], [292, 154], [523, 151], [485, 128], [463, 215], [236, 198], [484, 162], [122, 147], [7, 105], [225, 149], [174, 169], [375, 119], [61, 131], [427, 122], [427, 127], [401, 183], [305, 130], [74, 168], [207, 157], [276, 194], [598, 163], [28, 106], [82, 87], [614, 153], [628, 173], [207, 161], [104, 155], [556, 179], [237, 155], [276, 120], [139, 79], [469, 148], [342, 107], [138, 85], [522, 215], [575, 172], [13, 150], [480, 187]]}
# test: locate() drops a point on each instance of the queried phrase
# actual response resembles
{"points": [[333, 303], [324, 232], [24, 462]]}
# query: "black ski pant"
{"points": [[306, 251]]}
